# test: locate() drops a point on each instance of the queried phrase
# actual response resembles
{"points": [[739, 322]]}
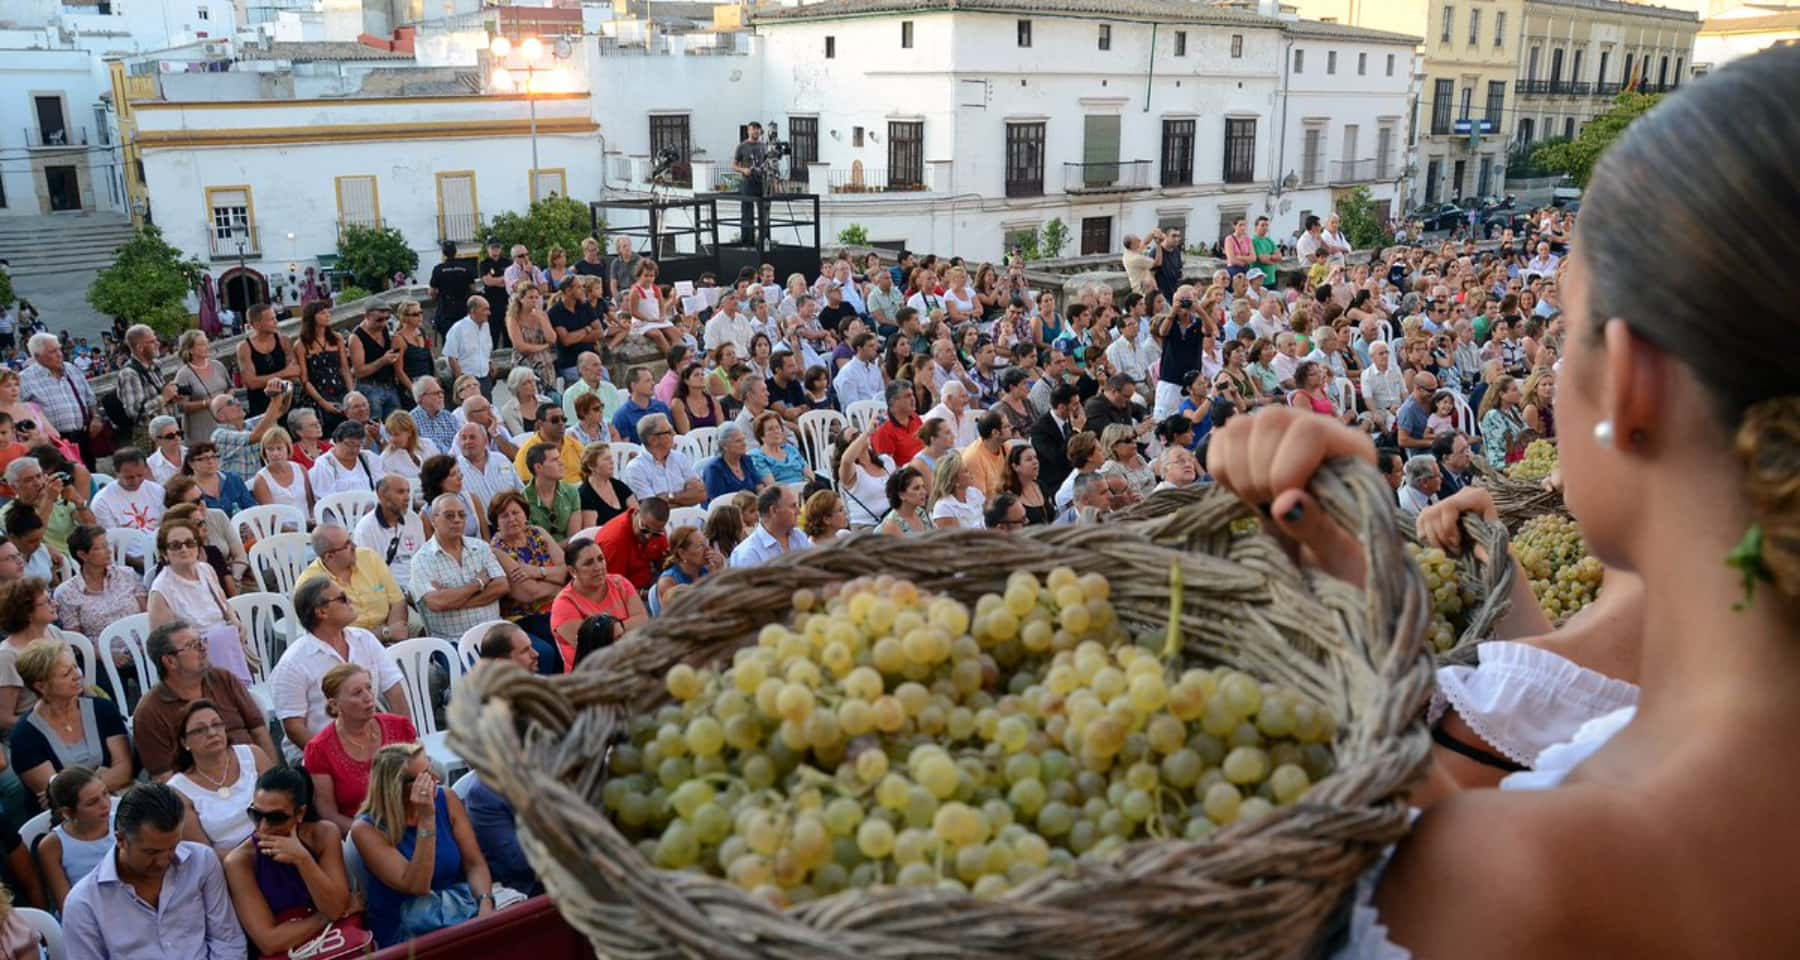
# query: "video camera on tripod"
{"points": [[768, 169]]}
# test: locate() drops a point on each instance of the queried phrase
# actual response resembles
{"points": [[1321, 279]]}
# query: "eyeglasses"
{"points": [[182, 544], [342, 598], [199, 644], [170, 436], [274, 818]]}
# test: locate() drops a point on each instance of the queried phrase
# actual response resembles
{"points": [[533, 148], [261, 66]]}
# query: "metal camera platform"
{"points": [[704, 232]]}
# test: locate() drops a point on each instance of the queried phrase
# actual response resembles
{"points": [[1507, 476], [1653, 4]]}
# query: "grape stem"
{"points": [[1172, 644]]}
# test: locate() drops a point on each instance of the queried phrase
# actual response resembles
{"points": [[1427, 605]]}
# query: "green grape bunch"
{"points": [[889, 736], [1539, 462], [1564, 577], [1452, 600]]}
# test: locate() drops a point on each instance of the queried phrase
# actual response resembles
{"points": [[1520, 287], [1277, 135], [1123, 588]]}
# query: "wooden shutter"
{"points": [[1100, 150]]}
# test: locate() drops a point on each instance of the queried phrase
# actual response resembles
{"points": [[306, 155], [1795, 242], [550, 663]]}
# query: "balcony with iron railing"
{"points": [[224, 241], [1347, 172], [1531, 88], [1106, 177], [52, 137], [857, 179]]}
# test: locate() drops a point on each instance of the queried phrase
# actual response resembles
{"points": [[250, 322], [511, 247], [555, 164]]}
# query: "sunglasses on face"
{"points": [[170, 436], [274, 818]]}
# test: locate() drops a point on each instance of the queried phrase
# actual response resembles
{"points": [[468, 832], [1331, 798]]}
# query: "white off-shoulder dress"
{"points": [[1535, 708]]}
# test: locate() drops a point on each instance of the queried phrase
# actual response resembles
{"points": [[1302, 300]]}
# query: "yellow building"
{"points": [[1744, 30], [1576, 55], [1468, 63]]}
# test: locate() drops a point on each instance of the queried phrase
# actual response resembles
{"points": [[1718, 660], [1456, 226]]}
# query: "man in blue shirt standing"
{"points": [[155, 896]]}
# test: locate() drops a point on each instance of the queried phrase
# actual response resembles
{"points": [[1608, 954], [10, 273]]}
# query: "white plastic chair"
{"points": [[587, 534], [268, 520], [469, 647], [698, 443], [815, 437], [34, 830], [414, 658], [276, 561], [130, 632], [122, 540], [1466, 424], [45, 926], [687, 517], [1343, 395], [715, 502], [84, 657], [345, 508], [623, 453], [863, 414], [271, 626]]}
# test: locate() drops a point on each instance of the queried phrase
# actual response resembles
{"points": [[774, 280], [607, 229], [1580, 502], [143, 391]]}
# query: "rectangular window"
{"points": [[53, 126], [1468, 101], [1556, 65], [906, 35], [1496, 102], [1240, 150], [1434, 171], [803, 136], [1312, 157], [830, 48], [670, 132], [358, 202], [856, 136], [1096, 235], [1575, 68], [459, 218], [205, 14], [232, 219], [1484, 180], [1299, 60], [1100, 150], [1237, 46], [1525, 131], [1678, 62], [1330, 62], [1569, 128], [1106, 36], [1390, 65], [1384, 147], [906, 153], [1024, 159], [1474, 26], [1352, 132], [1181, 43], [1171, 222], [1600, 77], [1362, 64], [1178, 153], [1449, 24], [549, 183], [1442, 93], [1024, 33], [1626, 77], [1499, 29]]}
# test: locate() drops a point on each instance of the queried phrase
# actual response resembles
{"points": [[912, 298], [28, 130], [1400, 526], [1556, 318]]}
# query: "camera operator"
{"points": [[1181, 333], [748, 162]]}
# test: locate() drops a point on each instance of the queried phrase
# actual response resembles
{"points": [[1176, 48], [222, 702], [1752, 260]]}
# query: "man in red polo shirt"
{"points": [[897, 436], [633, 542]]}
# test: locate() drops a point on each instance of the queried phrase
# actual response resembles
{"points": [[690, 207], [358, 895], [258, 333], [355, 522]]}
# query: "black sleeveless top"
{"points": [[375, 348], [264, 364], [417, 361]]}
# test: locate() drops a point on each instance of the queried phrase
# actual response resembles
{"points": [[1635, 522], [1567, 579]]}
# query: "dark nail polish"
{"points": [[1293, 514]]}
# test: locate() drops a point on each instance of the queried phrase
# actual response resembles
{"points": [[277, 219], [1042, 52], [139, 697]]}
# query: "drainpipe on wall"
{"points": [[1287, 59]]}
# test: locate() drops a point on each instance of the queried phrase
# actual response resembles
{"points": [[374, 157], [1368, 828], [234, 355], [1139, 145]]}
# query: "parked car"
{"points": [[1563, 193], [1439, 216], [1498, 220]]}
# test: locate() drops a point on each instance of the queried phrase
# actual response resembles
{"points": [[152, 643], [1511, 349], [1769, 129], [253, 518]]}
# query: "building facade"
{"points": [[1576, 55], [1739, 32]]}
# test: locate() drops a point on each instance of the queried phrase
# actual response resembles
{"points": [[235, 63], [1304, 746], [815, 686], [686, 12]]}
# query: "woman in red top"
{"points": [[591, 591], [338, 758]]}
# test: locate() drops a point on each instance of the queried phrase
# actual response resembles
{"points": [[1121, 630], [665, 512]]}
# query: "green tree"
{"points": [[373, 255], [1054, 238], [854, 235], [148, 283], [351, 294], [1356, 216], [551, 222], [1577, 157]]}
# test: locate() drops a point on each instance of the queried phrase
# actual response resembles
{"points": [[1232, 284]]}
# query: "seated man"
{"points": [[392, 531], [106, 914], [662, 470], [180, 654], [458, 581], [634, 543], [374, 593], [324, 612]]}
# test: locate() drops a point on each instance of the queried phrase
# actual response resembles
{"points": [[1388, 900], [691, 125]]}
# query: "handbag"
{"points": [[340, 940]]}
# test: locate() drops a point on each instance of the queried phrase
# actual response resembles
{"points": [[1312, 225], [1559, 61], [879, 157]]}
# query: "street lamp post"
{"points": [[531, 59]]}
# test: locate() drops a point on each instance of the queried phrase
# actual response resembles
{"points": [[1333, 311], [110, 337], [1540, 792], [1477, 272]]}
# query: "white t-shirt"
{"points": [[395, 545], [966, 512], [140, 509], [472, 347], [329, 475]]}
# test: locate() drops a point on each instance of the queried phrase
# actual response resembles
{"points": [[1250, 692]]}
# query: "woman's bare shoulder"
{"points": [[1492, 873]]}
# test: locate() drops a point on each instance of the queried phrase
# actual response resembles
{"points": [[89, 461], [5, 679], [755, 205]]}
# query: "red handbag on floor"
{"points": [[340, 940]]}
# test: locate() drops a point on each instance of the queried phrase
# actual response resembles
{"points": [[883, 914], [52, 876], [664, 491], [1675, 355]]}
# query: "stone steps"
{"points": [[42, 246]]}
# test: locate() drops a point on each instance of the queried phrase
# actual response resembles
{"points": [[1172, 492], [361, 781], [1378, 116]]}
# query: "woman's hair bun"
{"points": [[1768, 442]]}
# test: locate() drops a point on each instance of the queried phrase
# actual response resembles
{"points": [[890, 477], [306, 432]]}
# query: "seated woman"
{"points": [[188, 588], [533, 561], [778, 456], [214, 778], [691, 559], [27, 616], [82, 808], [725, 528], [439, 475], [733, 469], [603, 495], [221, 490], [426, 871], [591, 591], [824, 516], [65, 728], [338, 759], [288, 883]]}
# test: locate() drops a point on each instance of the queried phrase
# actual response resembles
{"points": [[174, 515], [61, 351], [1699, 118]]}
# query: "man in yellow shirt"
{"points": [[986, 457], [370, 587], [550, 423]]}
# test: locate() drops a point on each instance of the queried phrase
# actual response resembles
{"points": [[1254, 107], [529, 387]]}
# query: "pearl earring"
{"points": [[1603, 433]]}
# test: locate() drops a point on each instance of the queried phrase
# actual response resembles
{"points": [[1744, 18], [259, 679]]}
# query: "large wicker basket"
{"points": [[1269, 888], [1517, 500]]}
